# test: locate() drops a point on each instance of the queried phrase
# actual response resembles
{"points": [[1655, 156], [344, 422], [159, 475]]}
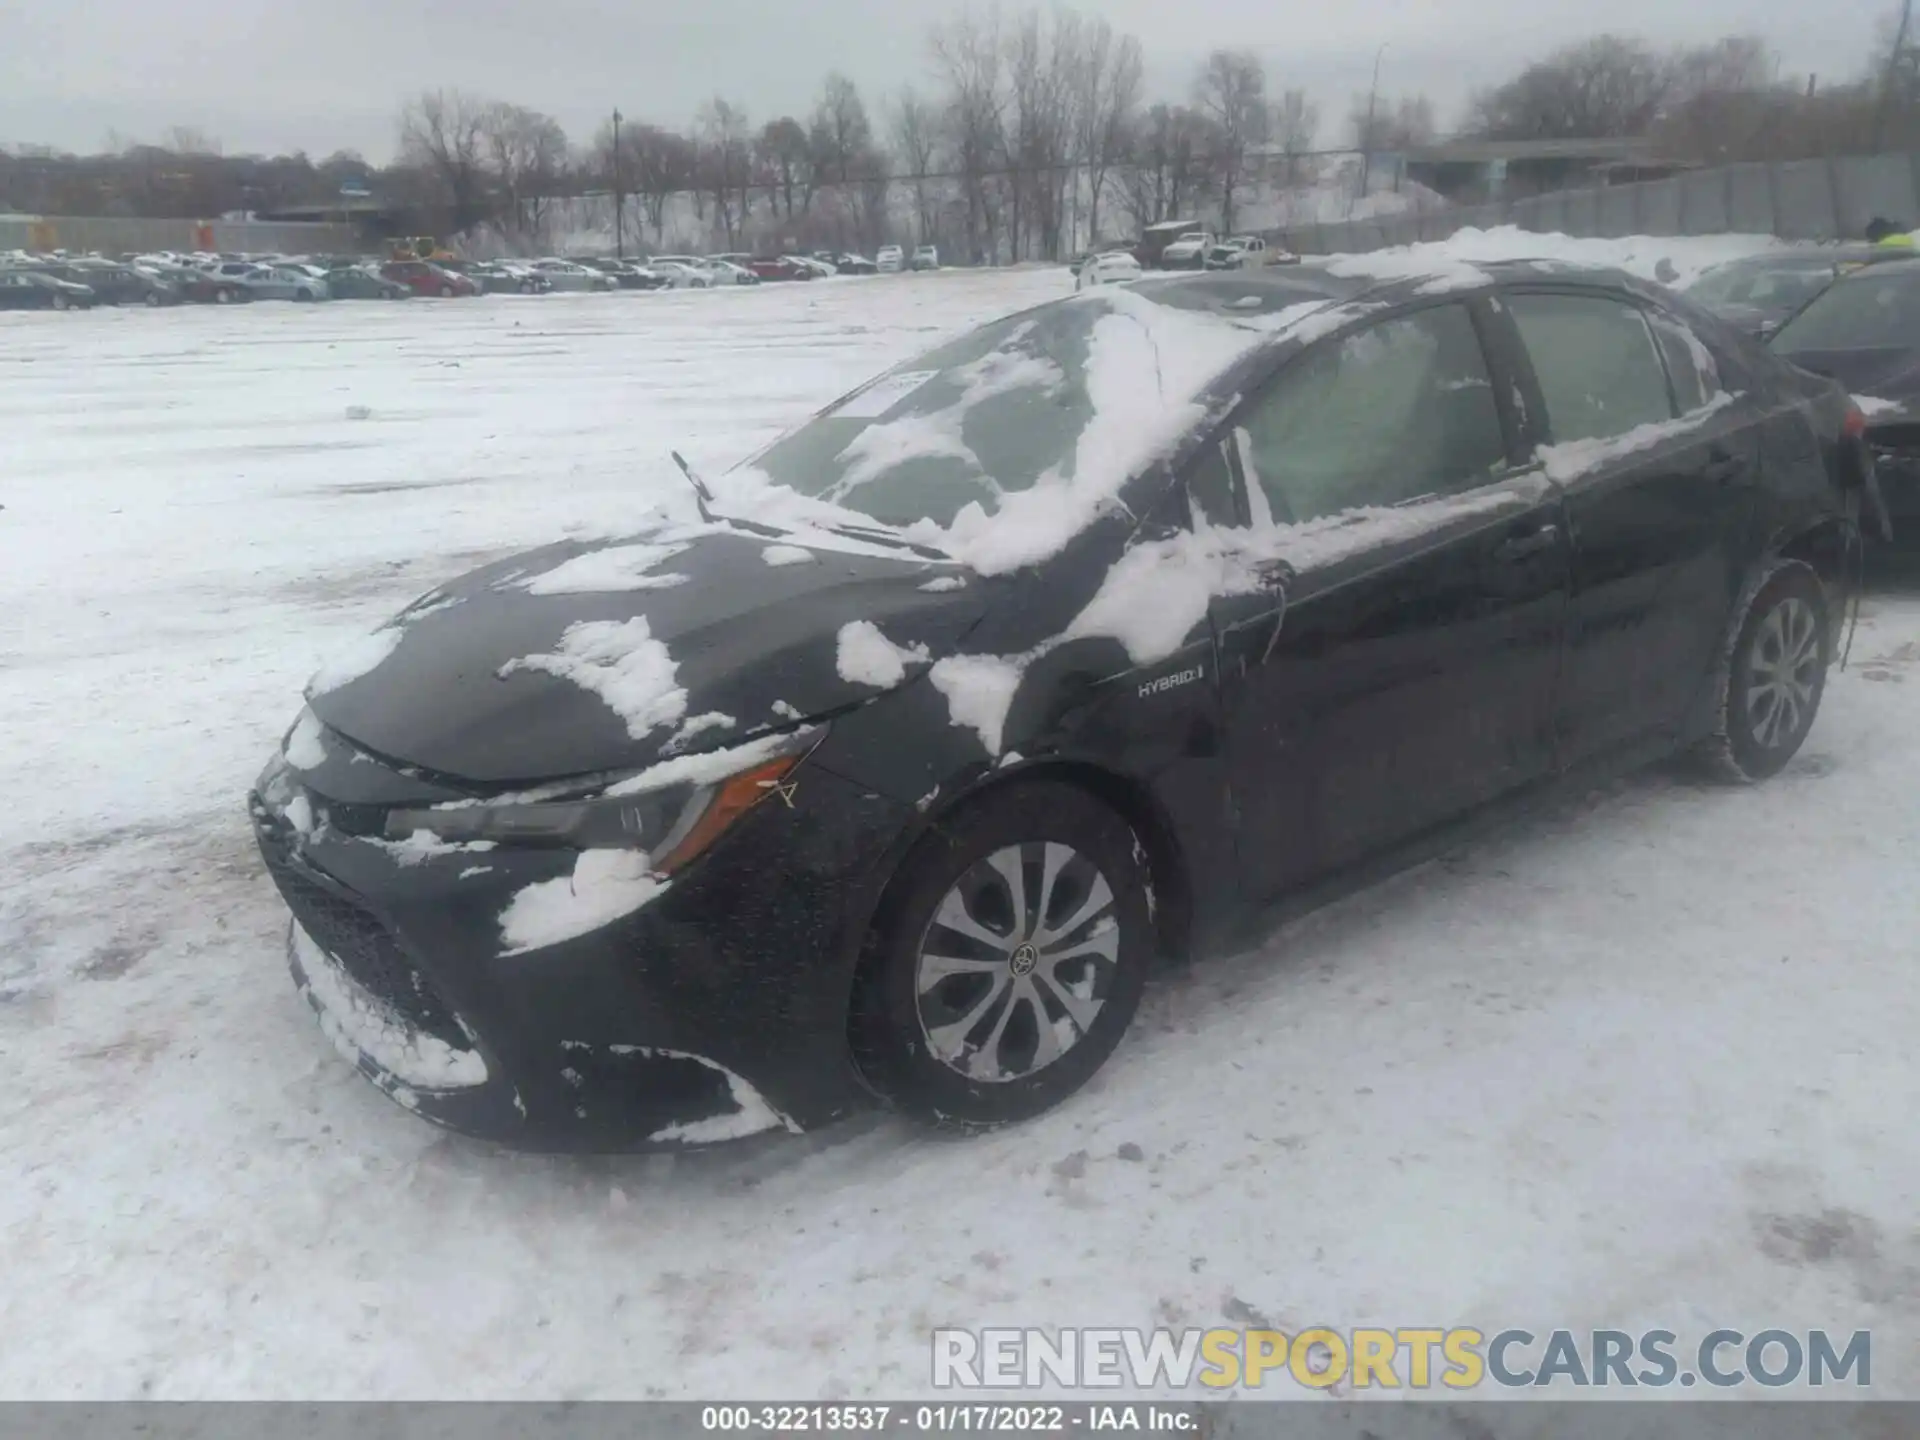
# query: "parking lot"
{"points": [[1642, 1060]]}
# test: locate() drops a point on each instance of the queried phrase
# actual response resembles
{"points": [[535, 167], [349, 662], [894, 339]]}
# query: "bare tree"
{"points": [[526, 153], [1109, 79], [1171, 166], [967, 52], [1231, 90], [841, 131], [1296, 125], [788, 156], [726, 171], [442, 133], [915, 138], [1039, 128], [1608, 86]]}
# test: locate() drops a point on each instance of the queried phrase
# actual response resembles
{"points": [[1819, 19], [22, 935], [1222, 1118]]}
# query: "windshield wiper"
{"points": [[887, 537], [703, 497]]}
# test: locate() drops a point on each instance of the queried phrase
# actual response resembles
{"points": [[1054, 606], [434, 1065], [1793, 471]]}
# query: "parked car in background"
{"points": [[565, 275], [22, 289], [1116, 267], [888, 259], [114, 284], [854, 265], [423, 277], [1189, 252], [681, 275], [360, 282], [782, 267], [625, 274], [199, 286], [1863, 330], [1395, 605], [726, 272], [1225, 257], [1758, 292], [287, 282], [818, 269], [514, 275], [926, 257]]}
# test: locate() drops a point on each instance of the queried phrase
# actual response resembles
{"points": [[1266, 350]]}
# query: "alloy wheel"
{"points": [[1783, 671], [1017, 961]]}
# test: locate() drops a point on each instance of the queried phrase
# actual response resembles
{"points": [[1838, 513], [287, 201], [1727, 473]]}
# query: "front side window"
{"points": [[1398, 411], [1595, 359]]}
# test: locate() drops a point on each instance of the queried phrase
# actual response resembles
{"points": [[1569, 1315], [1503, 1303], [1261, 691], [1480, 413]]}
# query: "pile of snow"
{"points": [[604, 886], [1641, 255]]}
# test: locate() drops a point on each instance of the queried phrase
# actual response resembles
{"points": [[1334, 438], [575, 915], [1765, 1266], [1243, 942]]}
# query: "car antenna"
{"points": [[702, 496]]}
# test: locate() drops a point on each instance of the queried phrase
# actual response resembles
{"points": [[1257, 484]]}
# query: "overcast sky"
{"points": [[322, 75]]}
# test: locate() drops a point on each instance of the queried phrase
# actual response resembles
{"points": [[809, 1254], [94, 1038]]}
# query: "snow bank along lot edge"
{"points": [[1586, 1017]]}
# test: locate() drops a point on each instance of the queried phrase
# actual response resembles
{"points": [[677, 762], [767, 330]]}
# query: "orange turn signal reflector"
{"points": [[1855, 423], [734, 796]]}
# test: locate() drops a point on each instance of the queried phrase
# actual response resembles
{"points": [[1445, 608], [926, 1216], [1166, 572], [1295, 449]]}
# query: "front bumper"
{"points": [[716, 1009]]}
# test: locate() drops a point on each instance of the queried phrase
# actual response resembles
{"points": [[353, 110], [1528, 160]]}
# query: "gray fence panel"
{"points": [[1617, 210], [1877, 185], [1750, 200], [1660, 207], [1703, 200], [1804, 201], [113, 236]]}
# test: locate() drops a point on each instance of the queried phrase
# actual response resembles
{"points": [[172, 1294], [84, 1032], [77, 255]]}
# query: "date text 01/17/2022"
{"points": [[946, 1419]]}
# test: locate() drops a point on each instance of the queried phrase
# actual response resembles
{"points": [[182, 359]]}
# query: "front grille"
{"points": [[362, 946]]}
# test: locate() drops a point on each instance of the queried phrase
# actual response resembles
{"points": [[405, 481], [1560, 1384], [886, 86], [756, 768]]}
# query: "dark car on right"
{"points": [[1758, 292], [1863, 331]]}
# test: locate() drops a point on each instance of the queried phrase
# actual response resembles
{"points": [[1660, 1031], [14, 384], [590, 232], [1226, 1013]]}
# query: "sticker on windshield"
{"points": [[881, 396]]}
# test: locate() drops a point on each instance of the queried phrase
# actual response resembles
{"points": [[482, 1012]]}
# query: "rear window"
{"points": [[1871, 309], [1599, 371]]}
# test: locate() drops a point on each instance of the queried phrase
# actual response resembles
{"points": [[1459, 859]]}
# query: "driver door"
{"points": [[1401, 669]]}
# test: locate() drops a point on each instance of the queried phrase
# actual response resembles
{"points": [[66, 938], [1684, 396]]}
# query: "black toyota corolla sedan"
{"points": [[1109, 631]]}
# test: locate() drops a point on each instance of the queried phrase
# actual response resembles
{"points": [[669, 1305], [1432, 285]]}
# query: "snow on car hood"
{"points": [[614, 654]]}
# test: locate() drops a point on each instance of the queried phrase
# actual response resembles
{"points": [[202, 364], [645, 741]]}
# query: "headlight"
{"points": [[674, 811]]}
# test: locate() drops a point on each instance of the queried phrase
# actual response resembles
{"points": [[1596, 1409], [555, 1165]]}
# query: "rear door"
{"points": [[1659, 468], [1401, 670]]}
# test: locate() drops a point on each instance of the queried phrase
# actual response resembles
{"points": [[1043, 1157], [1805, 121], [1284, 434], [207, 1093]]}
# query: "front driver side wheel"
{"points": [[1009, 958], [1774, 673]]}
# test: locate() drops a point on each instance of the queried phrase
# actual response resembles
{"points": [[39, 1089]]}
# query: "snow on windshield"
{"points": [[1001, 446]]}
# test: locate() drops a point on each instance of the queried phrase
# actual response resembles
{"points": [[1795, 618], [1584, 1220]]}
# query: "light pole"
{"points": [[619, 236], [1366, 141]]}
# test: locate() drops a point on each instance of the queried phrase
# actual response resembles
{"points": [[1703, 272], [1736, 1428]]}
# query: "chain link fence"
{"points": [[1831, 199]]}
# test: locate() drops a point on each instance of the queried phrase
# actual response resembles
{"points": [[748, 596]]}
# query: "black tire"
{"points": [[994, 997], [1772, 673], [59, 301], [301, 297], [223, 296], [446, 292], [153, 299]]}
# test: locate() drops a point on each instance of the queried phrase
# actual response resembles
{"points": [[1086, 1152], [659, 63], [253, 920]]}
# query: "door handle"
{"points": [[1519, 547], [1722, 466]]}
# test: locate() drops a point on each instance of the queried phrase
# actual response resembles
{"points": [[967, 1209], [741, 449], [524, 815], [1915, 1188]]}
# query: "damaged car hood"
{"points": [[609, 655]]}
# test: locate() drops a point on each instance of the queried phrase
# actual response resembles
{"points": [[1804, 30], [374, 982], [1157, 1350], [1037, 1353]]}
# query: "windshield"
{"points": [[1777, 283], [1875, 309], [968, 422]]}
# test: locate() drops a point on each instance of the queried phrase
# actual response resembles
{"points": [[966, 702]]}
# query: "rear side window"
{"points": [[1398, 411], [1690, 365], [1599, 371]]}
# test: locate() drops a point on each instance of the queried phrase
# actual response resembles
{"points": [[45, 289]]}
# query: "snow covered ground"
{"points": [[1644, 1061]]}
